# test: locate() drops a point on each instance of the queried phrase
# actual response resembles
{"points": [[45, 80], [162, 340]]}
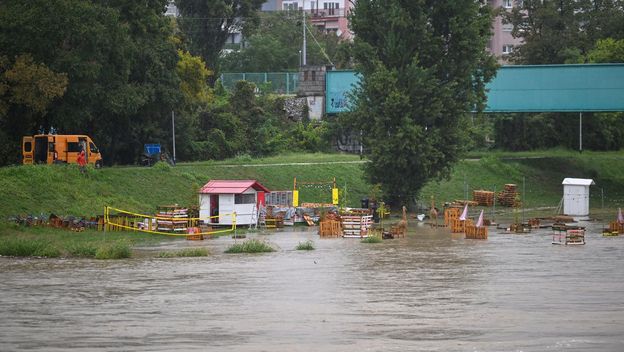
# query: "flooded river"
{"points": [[431, 291]]}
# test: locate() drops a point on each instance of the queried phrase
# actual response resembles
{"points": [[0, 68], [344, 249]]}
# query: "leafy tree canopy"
{"points": [[424, 67], [29, 84], [208, 23], [607, 51], [563, 31], [275, 45], [117, 58]]}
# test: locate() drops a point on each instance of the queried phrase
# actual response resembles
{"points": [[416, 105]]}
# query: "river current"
{"points": [[431, 291]]}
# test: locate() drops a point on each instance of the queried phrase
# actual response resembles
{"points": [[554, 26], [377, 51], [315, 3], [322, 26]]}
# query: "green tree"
{"points": [[29, 84], [563, 31], [607, 50], [207, 24], [424, 68], [27, 89], [119, 61], [275, 45]]}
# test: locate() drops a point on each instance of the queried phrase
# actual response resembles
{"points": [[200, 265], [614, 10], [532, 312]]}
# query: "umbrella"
{"points": [[464, 214], [480, 221]]}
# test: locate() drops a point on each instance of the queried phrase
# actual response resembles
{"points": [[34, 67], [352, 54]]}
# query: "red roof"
{"points": [[231, 186]]}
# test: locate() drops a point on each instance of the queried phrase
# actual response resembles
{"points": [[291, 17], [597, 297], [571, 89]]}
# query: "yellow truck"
{"points": [[53, 148]]}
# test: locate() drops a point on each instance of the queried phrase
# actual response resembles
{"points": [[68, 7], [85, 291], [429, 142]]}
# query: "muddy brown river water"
{"points": [[431, 291]]}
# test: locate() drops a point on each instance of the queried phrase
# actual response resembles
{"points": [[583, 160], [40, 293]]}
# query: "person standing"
{"points": [[82, 161]]}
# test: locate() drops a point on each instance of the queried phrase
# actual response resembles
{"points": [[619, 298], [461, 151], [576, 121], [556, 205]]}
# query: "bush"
{"points": [[162, 166], [371, 239], [167, 255], [305, 246], [250, 246], [115, 250], [193, 252]]}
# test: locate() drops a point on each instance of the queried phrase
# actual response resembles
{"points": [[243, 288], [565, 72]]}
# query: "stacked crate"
{"points": [[172, 218], [451, 214], [616, 227], [356, 226], [484, 198], [509, 196], [476, 233]]}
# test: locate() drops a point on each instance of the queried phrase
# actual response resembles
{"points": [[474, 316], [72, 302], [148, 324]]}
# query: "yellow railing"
{"points": [[131, 221]]}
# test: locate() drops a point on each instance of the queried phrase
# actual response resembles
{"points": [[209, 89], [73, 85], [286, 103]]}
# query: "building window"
{"points": [[507, 4], [290, 6], [507, 27], [313, 75], [507, 49], [245, 199], [305, 75], [28, 147]]}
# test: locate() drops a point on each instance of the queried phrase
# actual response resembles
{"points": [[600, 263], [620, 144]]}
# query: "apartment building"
{"points": [[327, 15], [502, 43], [331, 16]]}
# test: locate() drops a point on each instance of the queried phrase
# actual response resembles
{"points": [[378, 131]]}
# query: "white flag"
{"points": [[464, 214]]}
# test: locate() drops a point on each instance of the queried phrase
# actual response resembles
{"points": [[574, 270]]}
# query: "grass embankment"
{"points": [[48, 242], [542, 175], [63, 191]]}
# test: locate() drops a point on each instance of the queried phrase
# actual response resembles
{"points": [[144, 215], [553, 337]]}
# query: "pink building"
{"points": [[502, 43], [327, 15]]}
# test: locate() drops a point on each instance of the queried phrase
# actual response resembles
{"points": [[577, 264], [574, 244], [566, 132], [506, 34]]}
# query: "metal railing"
{"points": [[277, 82]]}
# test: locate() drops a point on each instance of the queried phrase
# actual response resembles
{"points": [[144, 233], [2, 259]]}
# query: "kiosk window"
{"points": [[244, 198]]}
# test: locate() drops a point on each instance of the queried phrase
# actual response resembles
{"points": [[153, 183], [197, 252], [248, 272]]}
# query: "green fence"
{"points": [[278, 82]]}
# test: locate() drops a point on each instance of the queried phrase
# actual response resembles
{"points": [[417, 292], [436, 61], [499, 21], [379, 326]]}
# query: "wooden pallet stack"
{"points": [[476, 233], [172, 218], [451, 214], [484, 198], [330, 228], [509, 196], [356, 226], [616, 227], [568, 235], [459, 226]]}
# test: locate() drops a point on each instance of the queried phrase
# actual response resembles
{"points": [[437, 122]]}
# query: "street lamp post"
{"points": [[303, 25]]}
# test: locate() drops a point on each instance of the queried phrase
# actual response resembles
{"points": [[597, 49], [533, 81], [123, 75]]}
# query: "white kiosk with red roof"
{"points": [[223, 197]]}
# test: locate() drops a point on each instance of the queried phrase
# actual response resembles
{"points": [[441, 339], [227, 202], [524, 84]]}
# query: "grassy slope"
{"points": [[63, 190]]}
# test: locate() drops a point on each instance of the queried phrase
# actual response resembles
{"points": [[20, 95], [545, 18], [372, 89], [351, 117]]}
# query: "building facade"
{"points": [[328, 15], [332, 16], [502, 43]]}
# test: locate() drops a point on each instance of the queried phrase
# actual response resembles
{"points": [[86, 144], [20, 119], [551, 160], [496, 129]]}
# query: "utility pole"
{"points": [[303, 25], [173, 132], [580, 132]]}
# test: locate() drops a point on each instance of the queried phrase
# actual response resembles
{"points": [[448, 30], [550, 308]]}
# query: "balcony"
{"points": [[325, 13]]}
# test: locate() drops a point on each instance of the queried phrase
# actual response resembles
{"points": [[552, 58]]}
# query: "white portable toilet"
{"points": [[576, 196]]}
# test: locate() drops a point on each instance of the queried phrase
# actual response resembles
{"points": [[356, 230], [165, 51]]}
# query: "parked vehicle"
{"points": [[52, 148], [151, 154]]}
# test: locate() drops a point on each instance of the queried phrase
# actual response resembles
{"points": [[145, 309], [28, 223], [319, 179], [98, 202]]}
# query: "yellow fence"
{"points": [[125, 220]]}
